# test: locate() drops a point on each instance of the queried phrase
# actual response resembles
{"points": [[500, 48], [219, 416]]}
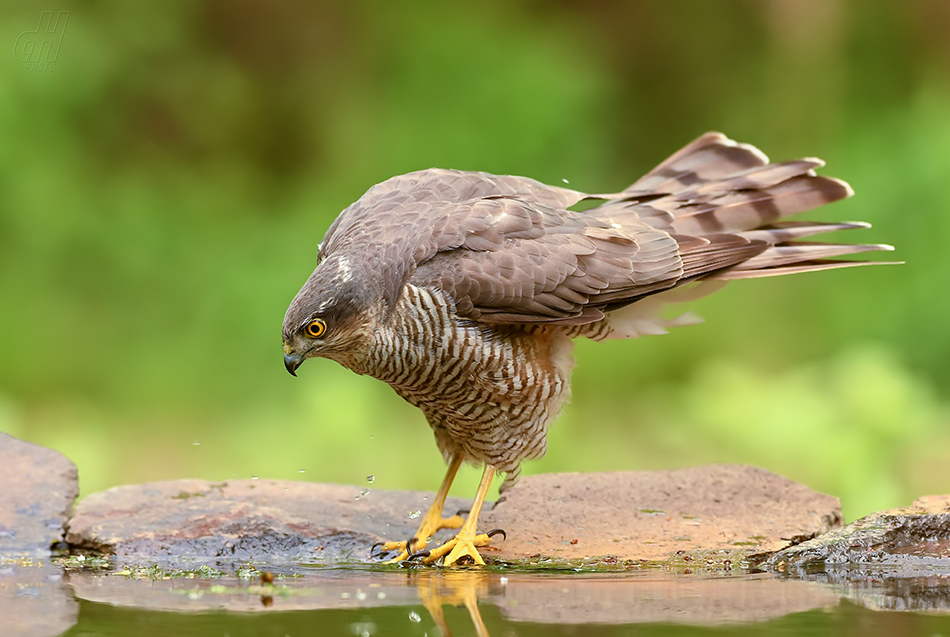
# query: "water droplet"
{"points": [[503, 581], [363, 629], [380, 595], [253, 477], [370, 478], [414, 617], [426, 498], [564, 179], [414, 514], [362, 493], [301, 470], [197, 443]]}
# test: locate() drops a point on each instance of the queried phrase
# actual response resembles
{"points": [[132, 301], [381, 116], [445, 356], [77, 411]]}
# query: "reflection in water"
{"points": [[501, 602], [462, 587]]}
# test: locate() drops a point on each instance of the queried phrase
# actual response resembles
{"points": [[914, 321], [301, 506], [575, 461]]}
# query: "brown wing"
{"points": [[387, 206], [407, 219], [511, 261]]}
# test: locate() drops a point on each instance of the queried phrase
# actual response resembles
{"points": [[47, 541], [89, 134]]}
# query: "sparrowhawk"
{"points": [[464, 290]]}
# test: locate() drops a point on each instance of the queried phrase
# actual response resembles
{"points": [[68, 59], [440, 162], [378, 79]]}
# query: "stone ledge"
{"points": [[642, 516]]}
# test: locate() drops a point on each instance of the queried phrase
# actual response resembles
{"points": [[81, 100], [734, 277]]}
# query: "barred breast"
{"points": [[487, 391]]}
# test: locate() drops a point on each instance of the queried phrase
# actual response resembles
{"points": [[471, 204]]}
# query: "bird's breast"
{"points": [[440, 361]]}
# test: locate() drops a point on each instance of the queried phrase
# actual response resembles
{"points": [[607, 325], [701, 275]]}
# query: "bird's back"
{"points": [[509, 250]]}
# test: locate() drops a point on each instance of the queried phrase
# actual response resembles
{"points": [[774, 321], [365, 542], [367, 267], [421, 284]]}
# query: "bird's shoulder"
{"points": [[406, 205]]}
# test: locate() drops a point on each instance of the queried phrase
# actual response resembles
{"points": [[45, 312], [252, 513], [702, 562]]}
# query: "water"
{"points": [[358, 599]]}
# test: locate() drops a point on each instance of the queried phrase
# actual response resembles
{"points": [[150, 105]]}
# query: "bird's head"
{"points": [[333, 316]]}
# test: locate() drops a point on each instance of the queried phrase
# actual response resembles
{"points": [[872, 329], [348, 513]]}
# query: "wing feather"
{"points": [[508, 249]]}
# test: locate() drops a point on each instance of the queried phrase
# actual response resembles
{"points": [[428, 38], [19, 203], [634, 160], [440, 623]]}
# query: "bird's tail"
{"points": [[716, 191]]}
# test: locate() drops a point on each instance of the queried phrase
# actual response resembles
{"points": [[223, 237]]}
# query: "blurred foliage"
{"points": [[163, 189]]}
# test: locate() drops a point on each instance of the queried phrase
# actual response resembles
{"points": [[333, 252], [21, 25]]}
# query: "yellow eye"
{"points": [[316, 328]]}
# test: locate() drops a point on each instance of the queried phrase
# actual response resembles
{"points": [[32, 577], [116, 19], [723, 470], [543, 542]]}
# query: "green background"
{"points": [[164, 187]]}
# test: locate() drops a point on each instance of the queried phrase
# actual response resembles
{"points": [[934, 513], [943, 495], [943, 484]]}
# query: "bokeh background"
{"points": [[164, 187]]}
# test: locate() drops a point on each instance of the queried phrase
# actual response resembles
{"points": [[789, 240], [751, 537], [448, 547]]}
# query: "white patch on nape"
{"points": [[344, 269], [646, 317]]}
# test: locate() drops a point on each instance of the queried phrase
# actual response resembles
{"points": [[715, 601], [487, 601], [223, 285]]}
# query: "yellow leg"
{"points": [[463, 544], [432, 521]]}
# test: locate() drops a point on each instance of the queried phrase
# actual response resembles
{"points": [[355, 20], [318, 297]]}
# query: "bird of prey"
{"points": [[464, 290]]}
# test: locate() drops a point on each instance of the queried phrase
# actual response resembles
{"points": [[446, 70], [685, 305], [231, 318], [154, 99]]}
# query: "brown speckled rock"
{"points": [[649, 515], [38, 487], [655, 515], [277, 521]]}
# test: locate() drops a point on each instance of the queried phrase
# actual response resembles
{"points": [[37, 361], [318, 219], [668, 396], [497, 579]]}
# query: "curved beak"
{"points": [[292, 362]]}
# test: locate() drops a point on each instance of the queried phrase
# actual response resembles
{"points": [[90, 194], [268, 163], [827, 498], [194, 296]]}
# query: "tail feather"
{"points": [[804, 266], [742, 210], [793, 253], [789, 230], [711, 157], [725, 205]]}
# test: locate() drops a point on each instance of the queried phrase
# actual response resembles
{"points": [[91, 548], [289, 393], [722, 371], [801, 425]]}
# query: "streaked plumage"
{"points": [[463, 290]]}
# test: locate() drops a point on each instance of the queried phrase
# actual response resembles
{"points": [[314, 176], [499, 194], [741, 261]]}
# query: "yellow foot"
{"points": [[460, 549], [418, 542]]}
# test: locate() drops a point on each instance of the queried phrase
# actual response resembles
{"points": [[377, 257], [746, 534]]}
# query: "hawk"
{"points": [[464, 290]]}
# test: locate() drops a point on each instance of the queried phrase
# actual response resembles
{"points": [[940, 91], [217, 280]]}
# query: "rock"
{"points": [[730, 509], [657, 515], [38, 487], [277, 521], [914, 538]]}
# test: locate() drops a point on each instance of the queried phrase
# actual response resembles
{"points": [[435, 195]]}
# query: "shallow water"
{"points": [[359, 600]]}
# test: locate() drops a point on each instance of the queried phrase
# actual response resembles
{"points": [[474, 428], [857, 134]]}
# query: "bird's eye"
{"points": [[316, 328]]}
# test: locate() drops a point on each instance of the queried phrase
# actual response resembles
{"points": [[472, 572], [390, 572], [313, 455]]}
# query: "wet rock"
{"points": [[276, 521], [34, 600], [907, 540], [688, 515], [731, 510], [38, 487]]}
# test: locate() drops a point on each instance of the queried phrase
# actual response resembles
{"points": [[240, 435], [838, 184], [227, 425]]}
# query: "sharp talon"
{"points": [[495, 532], [463, 512], [410, 542], [372, 549], [418, 556]]}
